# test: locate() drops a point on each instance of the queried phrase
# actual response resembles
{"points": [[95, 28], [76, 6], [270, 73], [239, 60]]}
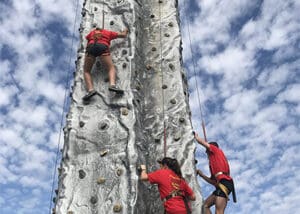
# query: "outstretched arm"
{"points": [[207, 179], [201, 141], [123, 33]]}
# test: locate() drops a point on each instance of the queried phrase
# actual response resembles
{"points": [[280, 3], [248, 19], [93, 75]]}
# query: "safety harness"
{"points": [[175, 193], [224, 188]]}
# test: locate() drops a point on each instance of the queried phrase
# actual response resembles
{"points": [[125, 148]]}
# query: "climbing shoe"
{"points": [[115, 89], [89, 95]]}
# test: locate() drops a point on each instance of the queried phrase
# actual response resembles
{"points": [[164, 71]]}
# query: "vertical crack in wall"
{"points": [[108, 138]]}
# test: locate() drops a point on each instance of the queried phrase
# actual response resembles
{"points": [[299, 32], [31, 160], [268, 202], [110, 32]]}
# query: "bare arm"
{"points": [[123, 33], [201, 141], [144, 175], [207, 179]]}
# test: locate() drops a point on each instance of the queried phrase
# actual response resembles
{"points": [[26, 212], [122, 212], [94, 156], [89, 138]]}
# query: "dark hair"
{"points": [[172, 164], [214, 143]]}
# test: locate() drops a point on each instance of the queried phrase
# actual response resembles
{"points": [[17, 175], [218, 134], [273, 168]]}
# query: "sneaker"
{"points": [[115, 89], [89, 95]]}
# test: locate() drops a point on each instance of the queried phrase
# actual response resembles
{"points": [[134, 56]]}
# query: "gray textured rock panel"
{"points": [[108, 138]]}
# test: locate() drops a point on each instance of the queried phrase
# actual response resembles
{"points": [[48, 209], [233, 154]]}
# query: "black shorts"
{"points": [[96, 49], [229, 186]]}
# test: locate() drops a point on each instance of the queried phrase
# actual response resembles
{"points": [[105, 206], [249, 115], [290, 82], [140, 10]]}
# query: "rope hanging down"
{"points": [[67, 91], [195, 74], [162, 82]]}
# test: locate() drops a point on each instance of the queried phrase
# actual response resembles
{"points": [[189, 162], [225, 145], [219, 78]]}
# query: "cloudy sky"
{"points": [[246, 57]]}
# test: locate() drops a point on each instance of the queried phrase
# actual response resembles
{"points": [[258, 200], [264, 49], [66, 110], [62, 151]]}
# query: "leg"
{"points": [[106, 59], [88, 64], [221, 203], [208, 203]]}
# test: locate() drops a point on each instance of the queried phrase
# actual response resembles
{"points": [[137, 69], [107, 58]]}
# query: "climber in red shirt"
{"points": [[173, 189], [98, 45], [220, 177]]}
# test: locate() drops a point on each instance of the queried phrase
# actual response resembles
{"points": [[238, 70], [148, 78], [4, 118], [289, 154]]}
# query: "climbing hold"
{"points": [[124, 52], [167, 35], [177, 136], [103, 126], [170, 24], [152, 16], [164, 87], [138, 87], [81, 124], [171, 66], [148, 67], [70, 212], [181, 120], [82, 174], [117, 208], [94, 199], [56, 191], [160, 1], [83, 13], [103, 153], [111, 22], [119, 172], [173, 101], [95, 8], [101, 180], [153, 49], [98, 64], [124, 65], [124, 111], [157, 140]]}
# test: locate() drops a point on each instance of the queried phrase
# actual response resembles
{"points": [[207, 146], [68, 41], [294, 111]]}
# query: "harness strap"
{"points": [[221, 173], [178, 193]]}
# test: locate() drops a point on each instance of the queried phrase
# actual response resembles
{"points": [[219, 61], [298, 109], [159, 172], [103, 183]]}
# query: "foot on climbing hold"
{"points": [[89, 95], [115, 89]]}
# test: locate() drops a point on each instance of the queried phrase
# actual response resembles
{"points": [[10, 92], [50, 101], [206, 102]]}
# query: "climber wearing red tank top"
{"points": [[98, 45]]}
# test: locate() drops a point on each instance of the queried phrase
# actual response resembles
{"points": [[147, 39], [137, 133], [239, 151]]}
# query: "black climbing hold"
{"points": [[54, 199], [119, 172], [152, 16], [181, 120], [94, 199], [148, 67], [157, 140], [177, 137], [124, 52], [82, 174], [138, 87], [171, 66], [170, 24], [167, 35], [56, 191], [95, 8], [153, 49], [83, 13], [164, 87], [103, 126], [103, 153], [81, 124], [124, 65], [160, 1], [111, 22], [173, 101]]}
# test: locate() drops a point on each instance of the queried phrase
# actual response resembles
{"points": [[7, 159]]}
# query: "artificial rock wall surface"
{"points": [[106, 139]]}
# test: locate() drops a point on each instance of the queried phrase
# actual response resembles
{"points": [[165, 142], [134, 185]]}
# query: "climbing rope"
{"points": [[162, 82], [195, 74], [67, 91], [103, 14]]}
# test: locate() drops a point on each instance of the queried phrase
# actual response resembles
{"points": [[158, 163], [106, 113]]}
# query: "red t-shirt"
{"points": [[218, 163], [102, 36], [167, 182]]}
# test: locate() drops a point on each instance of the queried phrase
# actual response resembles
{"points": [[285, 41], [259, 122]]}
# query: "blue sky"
{"points": [[247, 65]]}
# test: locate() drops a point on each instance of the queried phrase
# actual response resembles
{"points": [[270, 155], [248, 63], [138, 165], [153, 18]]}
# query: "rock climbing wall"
{"points": [[107, 138]]}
